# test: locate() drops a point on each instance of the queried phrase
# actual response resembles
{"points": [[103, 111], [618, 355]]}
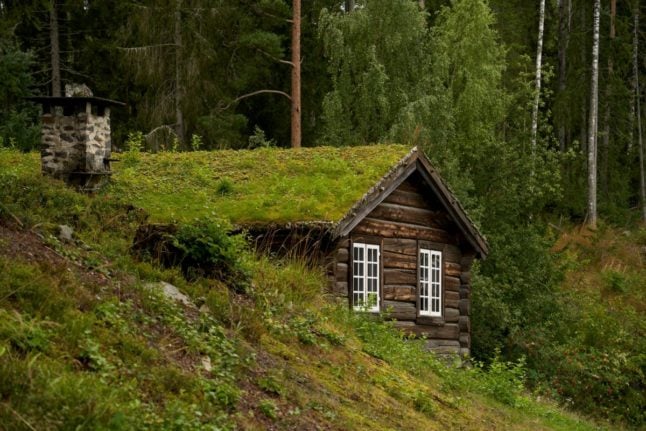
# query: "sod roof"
{"points": [[267, 185]]}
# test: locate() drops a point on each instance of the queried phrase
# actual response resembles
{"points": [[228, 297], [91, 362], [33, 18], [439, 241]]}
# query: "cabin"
{"points": [[404, 249], [391, 236]]}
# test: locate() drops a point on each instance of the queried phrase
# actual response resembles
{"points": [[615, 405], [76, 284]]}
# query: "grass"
{"points": [[86, 342], [247, 186]]}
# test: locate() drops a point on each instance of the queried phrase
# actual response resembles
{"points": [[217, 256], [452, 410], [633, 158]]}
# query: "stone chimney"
{"points": [[76, 143]]}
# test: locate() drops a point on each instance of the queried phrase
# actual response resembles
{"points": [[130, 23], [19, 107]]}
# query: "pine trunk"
{"points": [[539, 69], [55, 50], [349, 6], [640, 142], [592, 131], [564, 39], [296, 75], [179, 86]]}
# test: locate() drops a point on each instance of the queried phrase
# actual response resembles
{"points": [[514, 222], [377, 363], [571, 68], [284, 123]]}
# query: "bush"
{"points": [[206, 249]]}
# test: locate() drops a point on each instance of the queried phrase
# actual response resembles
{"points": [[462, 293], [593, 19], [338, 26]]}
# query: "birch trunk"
{"points": [[55, 49], [642, 175], [179, 86], [564, 39], [296, 75], [539, 69], [592, 132]]}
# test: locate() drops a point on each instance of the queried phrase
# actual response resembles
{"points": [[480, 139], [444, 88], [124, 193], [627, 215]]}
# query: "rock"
{"points": [[65, 233], [171, 292], [206, 364]]}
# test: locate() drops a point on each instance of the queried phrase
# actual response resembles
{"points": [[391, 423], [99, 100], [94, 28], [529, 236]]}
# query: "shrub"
{"points": [[206, 249]]}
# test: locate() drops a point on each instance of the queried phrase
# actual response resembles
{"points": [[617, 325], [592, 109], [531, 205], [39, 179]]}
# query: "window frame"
{"points": [[437, 250], [366, 245]]}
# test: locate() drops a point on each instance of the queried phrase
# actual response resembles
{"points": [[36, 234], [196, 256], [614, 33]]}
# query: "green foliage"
{"points": [[259, 140], [378, 62], [206, 249], [17, 116], [268, 408]]}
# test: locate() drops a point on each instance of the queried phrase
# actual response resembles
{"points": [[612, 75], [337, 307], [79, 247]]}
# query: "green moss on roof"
{"points": [[266, 185]]}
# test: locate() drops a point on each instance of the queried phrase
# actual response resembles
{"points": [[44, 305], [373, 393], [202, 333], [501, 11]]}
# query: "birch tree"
{"points": [[564, 39], [592, 123], [539, 58]]}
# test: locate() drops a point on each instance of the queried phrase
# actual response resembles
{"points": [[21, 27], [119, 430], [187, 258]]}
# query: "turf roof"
{"points": [[267, 185]]}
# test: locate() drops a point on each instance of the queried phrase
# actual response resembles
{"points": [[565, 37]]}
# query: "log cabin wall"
{"points": [[407, 220]]}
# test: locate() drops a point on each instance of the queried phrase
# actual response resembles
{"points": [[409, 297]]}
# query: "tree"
{"points": [[378, 62], [592, 133], [539, 70], [637, 95], [563, 42], [296, 74], [55, 50]]}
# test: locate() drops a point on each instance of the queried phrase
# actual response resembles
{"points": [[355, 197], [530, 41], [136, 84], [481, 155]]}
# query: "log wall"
{"points": [[406, 218]]}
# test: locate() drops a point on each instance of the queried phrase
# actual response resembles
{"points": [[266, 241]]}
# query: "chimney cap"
{"points": [[66, 101]]}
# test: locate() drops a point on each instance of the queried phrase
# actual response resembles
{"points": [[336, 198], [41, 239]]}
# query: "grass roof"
{"points": [[267, 185]]}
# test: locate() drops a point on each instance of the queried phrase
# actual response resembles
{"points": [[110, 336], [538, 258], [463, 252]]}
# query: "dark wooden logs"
{"points": [[342, 272], [342, 255], [451, 315], [400, 293], [370, 226], [465, 291], [400, 310], [464, 323], [452, 283], [400, 246], [449, 295], [465, 340], [407, 198], [448, 331], [465, 307], [452, 269], [398, 260], [400, 276], [406, 214], [451, 303]]}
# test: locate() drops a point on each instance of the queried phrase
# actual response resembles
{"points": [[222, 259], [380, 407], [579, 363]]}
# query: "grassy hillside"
{"points": [[87, 342]]}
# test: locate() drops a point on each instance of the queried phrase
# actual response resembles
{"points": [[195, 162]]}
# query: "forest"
{"points": [[531, 110]]}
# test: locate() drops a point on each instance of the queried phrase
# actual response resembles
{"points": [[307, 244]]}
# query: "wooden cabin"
{"points": [[404, 249], [386, 228]]}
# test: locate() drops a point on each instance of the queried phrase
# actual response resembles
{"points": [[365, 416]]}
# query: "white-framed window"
{"points": [[430, 282], [365, 276]]}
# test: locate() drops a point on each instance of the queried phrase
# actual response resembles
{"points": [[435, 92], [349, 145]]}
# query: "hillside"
{"points": [[89, 341]]}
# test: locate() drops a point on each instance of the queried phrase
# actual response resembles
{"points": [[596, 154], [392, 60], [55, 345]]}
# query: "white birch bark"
{"points": [[539, 70], [592, 124]]}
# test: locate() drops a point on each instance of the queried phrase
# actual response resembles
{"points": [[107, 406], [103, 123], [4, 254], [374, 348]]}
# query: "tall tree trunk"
{"points": [[349, 6], [539, 70], [605, 143], [642, 175], [179, 85], [592, 132], [296, 74], [55, 49], [584, 103], [564, 39]]}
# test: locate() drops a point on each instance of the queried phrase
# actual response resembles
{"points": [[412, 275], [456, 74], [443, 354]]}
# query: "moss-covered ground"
{"points": [[87, 343]]}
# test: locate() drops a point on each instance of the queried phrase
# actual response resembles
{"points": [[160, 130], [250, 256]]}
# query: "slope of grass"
{"points": [[87, 343], [261, 185]]}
